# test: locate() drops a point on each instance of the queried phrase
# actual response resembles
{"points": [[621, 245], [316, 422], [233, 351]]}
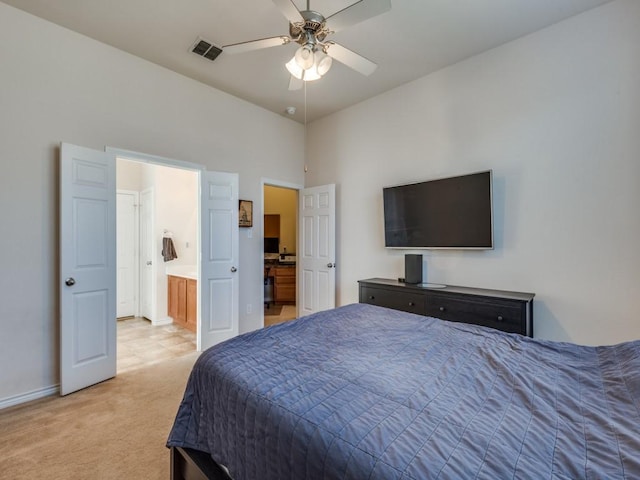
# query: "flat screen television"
{"points": [[452, 213]]}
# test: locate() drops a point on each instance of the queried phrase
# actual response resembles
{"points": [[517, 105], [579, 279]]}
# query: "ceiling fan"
{"points": [[310, 30]]}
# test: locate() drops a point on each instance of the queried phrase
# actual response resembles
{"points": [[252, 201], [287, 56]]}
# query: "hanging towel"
{"points": [[168, 250]]}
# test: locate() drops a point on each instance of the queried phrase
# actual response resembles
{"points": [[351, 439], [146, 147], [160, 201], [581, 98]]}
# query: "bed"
{"points": [[365, 392]]}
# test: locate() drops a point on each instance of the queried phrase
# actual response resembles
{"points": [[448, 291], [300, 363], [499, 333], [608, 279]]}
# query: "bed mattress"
{"points": [[364, 392]]}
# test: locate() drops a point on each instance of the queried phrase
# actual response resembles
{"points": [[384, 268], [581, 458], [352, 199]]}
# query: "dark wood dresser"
{"points": [[507, 311]]}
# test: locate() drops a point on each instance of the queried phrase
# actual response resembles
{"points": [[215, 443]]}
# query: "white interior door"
{"points": [[218, 312], [127, 252], [147, 300], [317, 249], [87, 267]]}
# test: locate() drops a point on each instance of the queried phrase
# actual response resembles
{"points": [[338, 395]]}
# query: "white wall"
{"points": [[556, 115], [129, 175], [176, 210], [58, 86]]}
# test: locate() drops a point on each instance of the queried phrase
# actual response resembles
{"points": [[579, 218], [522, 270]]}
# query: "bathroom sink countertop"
{"points": [[186, 271]]}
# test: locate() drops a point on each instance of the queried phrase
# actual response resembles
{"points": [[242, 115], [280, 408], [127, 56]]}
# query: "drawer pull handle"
{"points": [[371, 297], [411, 304], [442, 309], [500, 318]]}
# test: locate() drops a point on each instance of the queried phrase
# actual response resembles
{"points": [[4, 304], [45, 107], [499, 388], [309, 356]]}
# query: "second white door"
{"points": [[317, 249], [147, 298], [127, 252], [219, 263]]}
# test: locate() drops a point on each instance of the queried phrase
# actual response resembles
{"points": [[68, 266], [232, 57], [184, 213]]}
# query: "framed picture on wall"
{"points": [[245, 214]]}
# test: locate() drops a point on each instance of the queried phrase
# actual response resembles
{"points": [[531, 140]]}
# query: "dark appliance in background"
{"points": [[271, 249], [271, 245]]}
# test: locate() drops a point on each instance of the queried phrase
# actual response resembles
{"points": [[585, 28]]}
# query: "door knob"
{"points": [[234, 269], [149, 262], [70, 281], [331, 265]]}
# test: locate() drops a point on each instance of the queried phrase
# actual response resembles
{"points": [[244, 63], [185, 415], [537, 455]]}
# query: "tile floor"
{"points": [[141, 344]]}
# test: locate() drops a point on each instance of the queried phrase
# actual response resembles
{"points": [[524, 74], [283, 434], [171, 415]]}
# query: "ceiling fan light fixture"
{"points": [[305, 57], [310, 29], [308, 75], [295, 69], [323, 63], [311, 74]]}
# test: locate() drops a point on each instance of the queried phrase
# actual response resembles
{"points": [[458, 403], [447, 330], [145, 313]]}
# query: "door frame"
{"points": [[280, 184], [166, 162]]}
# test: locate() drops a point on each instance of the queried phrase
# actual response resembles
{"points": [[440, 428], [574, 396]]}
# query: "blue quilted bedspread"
{"points": [[363, 392]]}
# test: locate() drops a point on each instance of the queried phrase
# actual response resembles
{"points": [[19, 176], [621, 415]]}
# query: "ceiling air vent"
{"points": [[205, 49]]}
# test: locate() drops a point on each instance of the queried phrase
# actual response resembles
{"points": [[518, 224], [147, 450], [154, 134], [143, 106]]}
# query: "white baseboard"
{"points": [[29, 396], [162, 321]]}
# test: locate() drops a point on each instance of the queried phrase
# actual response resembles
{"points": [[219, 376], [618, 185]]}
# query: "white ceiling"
{"points": [[413, 39]]}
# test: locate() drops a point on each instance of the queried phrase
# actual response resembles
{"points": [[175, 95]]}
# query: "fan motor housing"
{"points": [[314, 23]]}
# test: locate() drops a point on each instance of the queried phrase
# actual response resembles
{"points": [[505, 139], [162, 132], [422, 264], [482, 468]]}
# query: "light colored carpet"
{"points": [[113, 430]]}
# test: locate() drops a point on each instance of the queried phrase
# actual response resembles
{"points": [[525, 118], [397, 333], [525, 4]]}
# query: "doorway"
{"points": [[280, 259], [157, 241], [88, 260]]}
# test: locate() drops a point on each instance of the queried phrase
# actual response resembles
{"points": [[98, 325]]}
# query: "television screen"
{"points": [[454, 212]]}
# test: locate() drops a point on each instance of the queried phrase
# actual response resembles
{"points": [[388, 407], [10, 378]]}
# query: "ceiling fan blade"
{"points": [[356, 13], [351, 59], [289, 10], [255, 45], [295, 83]]}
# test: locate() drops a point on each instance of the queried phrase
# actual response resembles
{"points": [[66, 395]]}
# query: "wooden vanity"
{"points": [[284, 280], [182, 299]]}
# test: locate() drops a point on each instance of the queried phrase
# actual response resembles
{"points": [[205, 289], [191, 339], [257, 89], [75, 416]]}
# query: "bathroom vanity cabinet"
{"points": [[285, 284], [182, 298]]}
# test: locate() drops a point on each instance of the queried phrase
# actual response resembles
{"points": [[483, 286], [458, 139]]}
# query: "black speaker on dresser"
{"points": [[412, 268]]}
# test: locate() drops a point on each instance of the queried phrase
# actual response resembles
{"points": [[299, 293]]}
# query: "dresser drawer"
{"points": [[495, 313], [406, 301], [500, 309]]}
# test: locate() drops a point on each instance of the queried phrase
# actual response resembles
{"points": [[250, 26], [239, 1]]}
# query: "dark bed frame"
{"points": [[189, 464]]}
